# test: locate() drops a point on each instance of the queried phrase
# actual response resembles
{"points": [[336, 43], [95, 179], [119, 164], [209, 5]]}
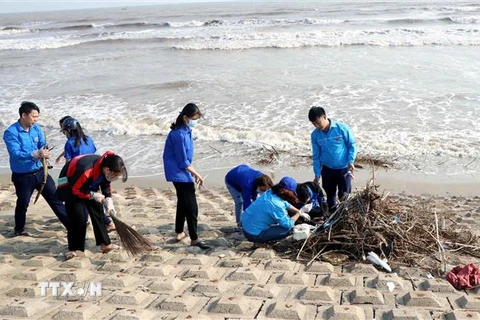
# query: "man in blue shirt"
{"points": [[334, 151], [25, 144]]}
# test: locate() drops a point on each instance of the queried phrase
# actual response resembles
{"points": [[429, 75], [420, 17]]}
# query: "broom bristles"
{"points": [[132, 241]]}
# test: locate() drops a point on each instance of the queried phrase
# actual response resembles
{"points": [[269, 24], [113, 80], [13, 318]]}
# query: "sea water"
{"points": [[405, 76]]}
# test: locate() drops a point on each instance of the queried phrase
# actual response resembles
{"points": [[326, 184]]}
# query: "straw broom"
{"points": [[133, 242]]}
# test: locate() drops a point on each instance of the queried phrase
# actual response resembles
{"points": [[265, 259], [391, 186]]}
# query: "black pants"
{"points": [[333, 179], [78, 223], [25, 184], [187, 208]]}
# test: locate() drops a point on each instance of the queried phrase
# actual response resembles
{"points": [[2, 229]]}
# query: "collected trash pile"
{"points": [[371, 226]]}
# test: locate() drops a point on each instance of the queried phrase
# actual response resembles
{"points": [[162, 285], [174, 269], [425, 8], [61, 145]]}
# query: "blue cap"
{"points": [[288, 183]]}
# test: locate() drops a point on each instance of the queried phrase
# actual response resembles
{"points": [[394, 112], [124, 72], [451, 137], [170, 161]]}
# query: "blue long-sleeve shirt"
{"points": [[242, 178], [178, 155], [267, 210], [71, 151], [334, 147], [20, 145]]}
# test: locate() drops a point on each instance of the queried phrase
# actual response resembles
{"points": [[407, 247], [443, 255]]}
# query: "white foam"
{"points": [[37, 44], [466, 20], [371, 37]]}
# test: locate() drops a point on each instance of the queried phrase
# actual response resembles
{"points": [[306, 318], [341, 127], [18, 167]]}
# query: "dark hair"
{"points": [[302, 193], [263, 181], [285, 194], [27, 107], [63, 119], [78, 134], [189, 110], [114, 163], [315, 113]]}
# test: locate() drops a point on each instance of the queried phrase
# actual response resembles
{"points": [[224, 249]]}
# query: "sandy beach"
{"points": [[229, 281]]}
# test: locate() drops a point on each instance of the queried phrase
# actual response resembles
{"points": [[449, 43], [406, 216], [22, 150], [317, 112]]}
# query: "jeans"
{"points": [[25, 184], [272, 233], [238, 200], [333, 179]]}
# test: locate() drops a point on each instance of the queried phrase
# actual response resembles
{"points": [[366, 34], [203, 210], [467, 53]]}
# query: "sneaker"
{"points": [[21, 233]]}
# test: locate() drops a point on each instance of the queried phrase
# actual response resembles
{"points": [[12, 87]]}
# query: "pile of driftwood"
{"points": [[406, 232]]}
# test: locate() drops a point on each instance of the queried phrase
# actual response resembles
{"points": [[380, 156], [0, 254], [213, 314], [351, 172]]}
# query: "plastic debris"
{"points": [[306, 208], [375, 259], [301, 231], [390, 286]]}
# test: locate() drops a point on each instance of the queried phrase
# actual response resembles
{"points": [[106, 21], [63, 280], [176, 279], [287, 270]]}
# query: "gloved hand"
{"points": [[305, 216], [97, 196], [306, 208], [42, 153], [108, 203]]}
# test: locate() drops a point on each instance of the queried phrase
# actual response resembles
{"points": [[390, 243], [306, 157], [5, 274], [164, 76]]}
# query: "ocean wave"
{"points": [[212, 23], [373, 37], [471, 8], [181, 24], [89, 39], [12, 30], [274, 22], [36, 44], [70, 27], [138, 24], [465, 20]]}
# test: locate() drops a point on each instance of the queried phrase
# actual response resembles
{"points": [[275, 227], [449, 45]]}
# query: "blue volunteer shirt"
{"points": [[267, 210], [20, 145], [178, 155], [71, 151], [334, 148], [243, 178]]}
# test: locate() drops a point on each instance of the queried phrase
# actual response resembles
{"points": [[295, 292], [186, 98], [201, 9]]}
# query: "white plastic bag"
{"points": [[301, 231], [375, 259]]}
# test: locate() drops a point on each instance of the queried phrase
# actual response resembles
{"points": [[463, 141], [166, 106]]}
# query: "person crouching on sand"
{"points": [[177, 163], [267, 219], [78, 185], [244, 183]]}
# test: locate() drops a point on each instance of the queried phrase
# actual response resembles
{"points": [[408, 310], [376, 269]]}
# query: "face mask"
{"points": [[192, 123], [111, 177]]}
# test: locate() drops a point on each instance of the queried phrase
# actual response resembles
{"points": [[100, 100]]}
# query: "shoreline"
{"points": [[388, 180]]}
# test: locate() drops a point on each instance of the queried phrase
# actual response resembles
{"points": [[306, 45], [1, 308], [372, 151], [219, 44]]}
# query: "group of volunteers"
{"points": [[77, 194], [264, 211]]}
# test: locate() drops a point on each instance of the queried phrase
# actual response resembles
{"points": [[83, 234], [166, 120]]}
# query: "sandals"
{"points": [[110, 247], [179, 239], [202, 245], [70, 255], [110, 227]]}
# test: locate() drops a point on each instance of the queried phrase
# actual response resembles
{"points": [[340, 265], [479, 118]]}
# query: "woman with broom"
{"points": [[177, 163], [78, 185]]}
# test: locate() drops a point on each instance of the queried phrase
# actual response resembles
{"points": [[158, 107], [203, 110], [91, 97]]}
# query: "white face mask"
{"points": [[111, 177], [192, 123]]}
